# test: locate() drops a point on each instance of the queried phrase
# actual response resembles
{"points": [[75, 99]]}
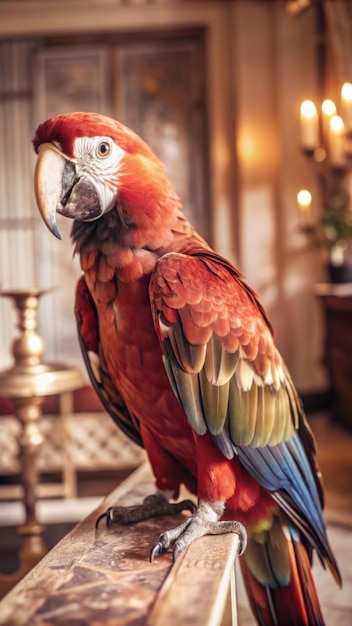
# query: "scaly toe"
{"points": [[152, 506], [193, 528]]}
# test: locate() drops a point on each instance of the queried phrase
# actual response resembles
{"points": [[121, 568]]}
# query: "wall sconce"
{"points": [[328, 136], [326, 140]]}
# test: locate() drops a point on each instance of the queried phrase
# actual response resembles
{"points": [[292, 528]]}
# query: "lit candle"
{"points": [[304, 201], [337, 141], [346, 102], [328, 109], [309, 125]]}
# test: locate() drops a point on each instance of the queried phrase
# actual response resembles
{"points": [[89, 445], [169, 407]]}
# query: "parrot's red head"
{"points": [[89, 164]]}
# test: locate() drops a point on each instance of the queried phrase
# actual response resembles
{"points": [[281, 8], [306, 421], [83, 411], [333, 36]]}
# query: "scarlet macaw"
{"points": [[182, 353]]}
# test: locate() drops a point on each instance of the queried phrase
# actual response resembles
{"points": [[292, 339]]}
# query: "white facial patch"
{"points": [[100, 157]]}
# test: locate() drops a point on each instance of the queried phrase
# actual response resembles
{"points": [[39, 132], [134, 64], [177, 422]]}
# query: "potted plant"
{"points": [[332, 233], [336, 224]]}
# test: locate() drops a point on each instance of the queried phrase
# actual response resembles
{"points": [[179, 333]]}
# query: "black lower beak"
{"points": [[80, 199], [69, 179]]}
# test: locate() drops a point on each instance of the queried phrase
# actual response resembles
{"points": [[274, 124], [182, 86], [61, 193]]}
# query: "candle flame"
{"points": [[336, 124], [308, 109], [304, 199], [346, 92], [328, 107]]}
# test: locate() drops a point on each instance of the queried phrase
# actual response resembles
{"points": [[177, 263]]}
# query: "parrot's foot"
{"points": [[201, 523], [152, 506]]}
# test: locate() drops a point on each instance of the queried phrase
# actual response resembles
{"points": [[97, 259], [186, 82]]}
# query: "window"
{"points": [[154, 83]]}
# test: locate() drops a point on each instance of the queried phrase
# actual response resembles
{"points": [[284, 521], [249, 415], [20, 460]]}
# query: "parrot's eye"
{"points": [[104, 149]]}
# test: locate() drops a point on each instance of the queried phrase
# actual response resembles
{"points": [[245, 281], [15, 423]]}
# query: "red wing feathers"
{"points": [[211, 300], [105, 388]]}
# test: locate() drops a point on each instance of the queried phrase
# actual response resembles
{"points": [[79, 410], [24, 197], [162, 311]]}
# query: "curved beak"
{"points": [[47, 184], [61, 188]]}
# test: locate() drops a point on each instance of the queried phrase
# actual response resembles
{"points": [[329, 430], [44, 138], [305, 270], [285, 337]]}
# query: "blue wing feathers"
{"points": [[276, 468], [285, 472]]}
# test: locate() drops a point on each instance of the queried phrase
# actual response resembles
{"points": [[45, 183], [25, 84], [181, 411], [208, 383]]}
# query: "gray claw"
{"points": [[242, 534], [157, 549]]}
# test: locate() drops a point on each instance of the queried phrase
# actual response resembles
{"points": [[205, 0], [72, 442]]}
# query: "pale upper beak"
{"points": [[47, 184], [59, 188]]}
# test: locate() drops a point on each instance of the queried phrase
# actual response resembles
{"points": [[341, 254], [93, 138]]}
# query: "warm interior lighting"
{"points": [[337, 141], [309, 125], [346, 92], [251, 138], [328, 108], [336, 124], [308, 109], [304, 199], [346, 103]]}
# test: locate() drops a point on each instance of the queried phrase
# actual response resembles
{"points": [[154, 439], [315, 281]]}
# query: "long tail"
{"points": [[277, 575]]}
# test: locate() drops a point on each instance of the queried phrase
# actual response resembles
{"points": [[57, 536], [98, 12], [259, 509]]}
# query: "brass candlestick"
{"points": [[26, 384]]}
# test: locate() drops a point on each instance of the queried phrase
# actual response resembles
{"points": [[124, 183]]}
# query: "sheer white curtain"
{"points": [[17, 207], [29, 256]]}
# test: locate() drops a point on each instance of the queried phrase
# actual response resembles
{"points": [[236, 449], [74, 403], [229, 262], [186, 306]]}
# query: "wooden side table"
{"points": [[336, 301], [26, 384]]}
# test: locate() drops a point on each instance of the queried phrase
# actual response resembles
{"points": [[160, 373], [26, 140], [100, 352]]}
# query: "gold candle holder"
{"points": [[26, 384]]}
